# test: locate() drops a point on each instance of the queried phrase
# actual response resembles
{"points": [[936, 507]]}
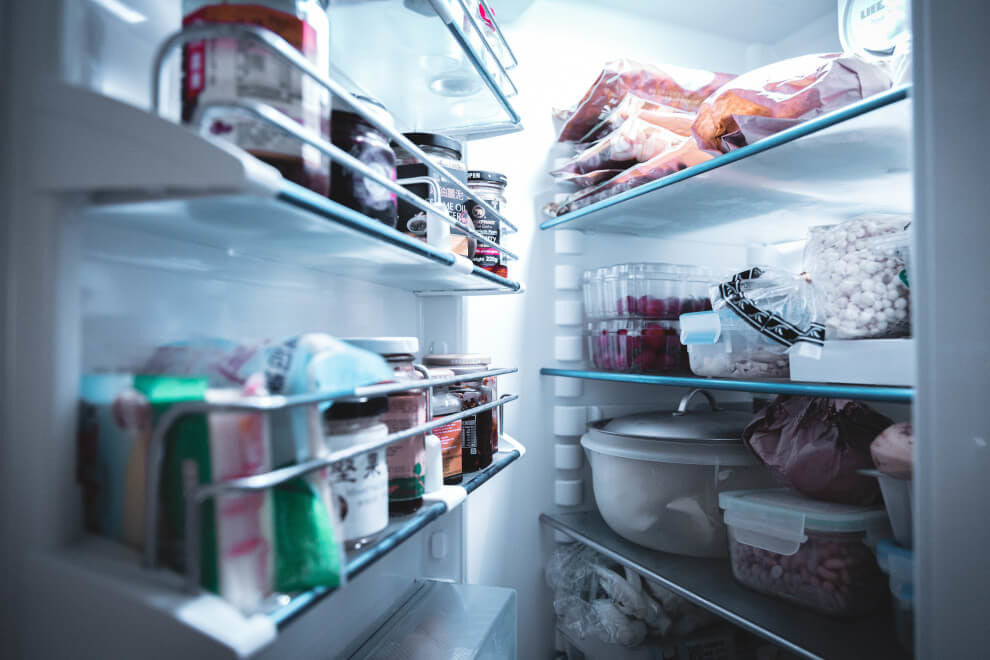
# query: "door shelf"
{"points": [[710, 584], [847, 162], [830, 390]]}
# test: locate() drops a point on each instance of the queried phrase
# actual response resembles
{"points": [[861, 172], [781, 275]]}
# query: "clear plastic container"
{"points": [[898, 563], [897, 501], [635, 345], [721, 345], [810, 552], [646, 290]]}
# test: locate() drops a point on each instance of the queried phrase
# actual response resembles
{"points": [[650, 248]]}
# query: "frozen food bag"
{"points": [[677, 87], [636, 141], [685, 154], [636, 104], [588, 179], [818, 446], [774, 97]]}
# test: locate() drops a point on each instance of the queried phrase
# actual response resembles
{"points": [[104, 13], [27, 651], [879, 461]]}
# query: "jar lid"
{"points": [[435, 140], [440, 372], [385, 345], [474, 176], [457, 359], [356, 407]]}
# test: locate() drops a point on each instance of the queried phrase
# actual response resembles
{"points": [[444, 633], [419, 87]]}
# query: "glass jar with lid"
{"points": [[360, 484], [480, 431], [490, 187], [406, 458], [445, 403], [224, 69], [353, 134]]}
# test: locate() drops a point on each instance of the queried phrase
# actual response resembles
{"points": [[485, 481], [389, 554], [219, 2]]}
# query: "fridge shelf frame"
{"points": [[883, 393], [710, 584]]}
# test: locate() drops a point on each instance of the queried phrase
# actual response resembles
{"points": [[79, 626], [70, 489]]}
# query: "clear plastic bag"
{"points": [[860, 267], [635, 141], [635, 104], [779, 95], [672, 86], [818, 446]]}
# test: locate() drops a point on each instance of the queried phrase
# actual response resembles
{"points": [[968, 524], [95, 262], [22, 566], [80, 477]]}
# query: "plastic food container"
{"points": [[898, 563], [657, 476], [636, 345], [722, 345], [897, 500], [646, 290], [807, 551]]}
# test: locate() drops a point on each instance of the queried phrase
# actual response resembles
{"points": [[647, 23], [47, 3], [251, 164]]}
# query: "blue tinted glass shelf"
{"points": [[831, 390]]}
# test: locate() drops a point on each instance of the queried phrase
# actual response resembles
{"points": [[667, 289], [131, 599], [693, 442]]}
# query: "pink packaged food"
{"points": [[588, 179], [774, 97], [673, 86], [635, 141], [636, 104]]}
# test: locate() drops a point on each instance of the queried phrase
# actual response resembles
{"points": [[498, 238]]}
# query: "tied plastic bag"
{"points": [[673, 86], [635, 104], [817, 446], [774, 97], [636, 141]]}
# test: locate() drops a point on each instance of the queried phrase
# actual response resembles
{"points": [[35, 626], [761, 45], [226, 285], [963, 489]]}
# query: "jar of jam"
{"points": [[451, 434], [407, 458], [480, 431], [490, 187], [370, 146]]}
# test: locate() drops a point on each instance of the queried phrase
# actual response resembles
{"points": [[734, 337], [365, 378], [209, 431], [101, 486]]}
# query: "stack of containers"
{"points": [[632, 311]]}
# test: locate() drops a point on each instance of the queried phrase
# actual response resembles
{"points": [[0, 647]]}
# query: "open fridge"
{"points": [[132, 225]]}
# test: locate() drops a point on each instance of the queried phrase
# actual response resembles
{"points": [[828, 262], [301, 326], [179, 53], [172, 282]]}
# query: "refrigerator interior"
{"points": [[87, 290]]}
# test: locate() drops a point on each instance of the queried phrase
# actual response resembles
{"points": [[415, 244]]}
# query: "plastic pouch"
{"points": [[818, 446], [760, 102], [636, 141], [634, 104]]}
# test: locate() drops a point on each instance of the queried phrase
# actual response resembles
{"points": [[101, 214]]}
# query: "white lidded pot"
{"points": [[657, 476]]}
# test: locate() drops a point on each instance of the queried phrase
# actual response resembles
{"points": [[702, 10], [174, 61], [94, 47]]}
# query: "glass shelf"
{"points": [[300, 228], [831, 390], [709, 583], [433, 72], [847, 162]]}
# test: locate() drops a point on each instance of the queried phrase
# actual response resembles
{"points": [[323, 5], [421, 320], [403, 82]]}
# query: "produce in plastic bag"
{"points": [[636, 141], [817, 446], [680, 156], [635, 104], [860, 268], [673, 86], [760, 102], [893, 449], [586, 180]]}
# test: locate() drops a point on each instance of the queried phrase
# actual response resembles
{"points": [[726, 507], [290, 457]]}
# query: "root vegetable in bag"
{"points": [[817, 446], [636, 141], [635, 104], [760, 102], [673, 86]]}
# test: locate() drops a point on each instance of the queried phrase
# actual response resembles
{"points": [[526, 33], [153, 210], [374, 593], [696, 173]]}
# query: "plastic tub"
{"points": [[897, 500], [645, 346], [722, 345], [898, 563], [806, 551], [657, 476]]}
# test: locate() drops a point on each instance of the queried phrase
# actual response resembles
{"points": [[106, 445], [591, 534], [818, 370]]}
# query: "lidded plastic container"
{"points": [[898, 563], [657, 476], [811, 552], [723, 346]]}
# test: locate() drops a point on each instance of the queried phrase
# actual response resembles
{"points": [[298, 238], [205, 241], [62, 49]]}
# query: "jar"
{"points": [[450, 434], [490, 187], [369, 145], [407, 458], [480, 431], [447, 153], [360, 484], [226, 69]]}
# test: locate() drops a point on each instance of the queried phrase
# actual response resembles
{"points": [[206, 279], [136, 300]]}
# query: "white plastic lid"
{"points": [[700, 328], [777, 519], [385, 345]]}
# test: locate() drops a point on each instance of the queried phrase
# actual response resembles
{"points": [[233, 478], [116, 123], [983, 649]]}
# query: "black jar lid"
{"points": [[371, 106], [474, 176], [435, 140], [356, 407]]}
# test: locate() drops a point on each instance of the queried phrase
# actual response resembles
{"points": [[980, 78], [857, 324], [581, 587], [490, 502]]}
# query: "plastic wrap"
{"points": [[636, 141], [861, 269], [672, 86], [818, 446], [893, 450], [586, 180], [635, 104], [779, 95]]}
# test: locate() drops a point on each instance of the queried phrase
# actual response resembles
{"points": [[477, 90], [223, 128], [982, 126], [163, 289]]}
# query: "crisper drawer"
{"points": [[444, 620]]}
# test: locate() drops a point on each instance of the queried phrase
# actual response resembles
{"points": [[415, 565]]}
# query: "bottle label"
{"points": [[470, 431], [450, 445], [406, 458], [486, 256], [360, 485], [413, 221]]}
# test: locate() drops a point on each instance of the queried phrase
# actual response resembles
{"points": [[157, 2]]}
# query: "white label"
{"points": [[360, 487]]}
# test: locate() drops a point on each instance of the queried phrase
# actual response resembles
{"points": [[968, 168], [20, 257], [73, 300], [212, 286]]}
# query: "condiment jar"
{"points": [[480, 432], [352, 133], [490, 187], [406, 458], [450, 434], [360, 484]]}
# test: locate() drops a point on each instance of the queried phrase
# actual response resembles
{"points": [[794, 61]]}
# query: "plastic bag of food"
{"points": [[860, 268], [636, 141], [678, 157], [893, 450], [636, 104], [818, 446], [673, 86], [588, 179], [771, 98]]}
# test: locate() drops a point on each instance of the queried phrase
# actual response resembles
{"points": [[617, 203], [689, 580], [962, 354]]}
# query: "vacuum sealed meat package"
{"points": [[672, 86], [587, 179], [818, 446], [635, 141], [636, 104], [774, 97]]}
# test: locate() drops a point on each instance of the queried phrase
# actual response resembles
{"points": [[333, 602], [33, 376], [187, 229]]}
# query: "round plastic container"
{"points": [[807, 551], [721, 345], [657, 476]]}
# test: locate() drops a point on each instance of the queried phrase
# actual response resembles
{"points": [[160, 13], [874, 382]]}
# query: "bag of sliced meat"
{"points": [[636, 104], [681, 156], [777, 96], [818, 446], [672, 86], [635, 141]]}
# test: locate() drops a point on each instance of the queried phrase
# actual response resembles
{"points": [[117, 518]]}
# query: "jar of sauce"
{"points": [[370, 146], [480, 431], [450, 434], [490, 187]]}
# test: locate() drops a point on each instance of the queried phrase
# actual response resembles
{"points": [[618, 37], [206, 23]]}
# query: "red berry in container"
{"points": [[673, 308]]}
